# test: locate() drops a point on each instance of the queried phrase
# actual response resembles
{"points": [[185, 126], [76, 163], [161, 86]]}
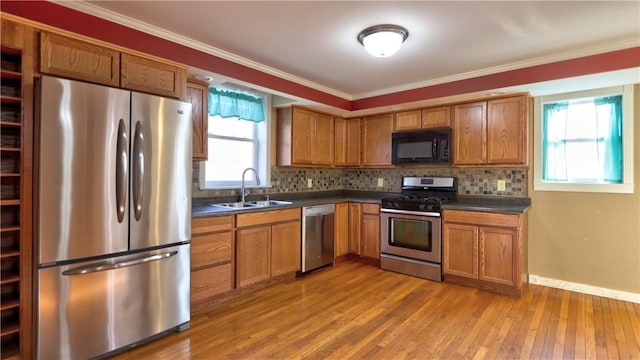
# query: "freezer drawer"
{"points": [[90, 308]]}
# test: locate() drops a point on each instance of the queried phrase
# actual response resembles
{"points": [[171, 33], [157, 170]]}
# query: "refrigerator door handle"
{"points": [[122, 170], [138, 171], [104, 266]]}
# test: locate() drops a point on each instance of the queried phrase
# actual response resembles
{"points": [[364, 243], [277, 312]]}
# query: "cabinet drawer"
{"points": [[267, 217], [373, 209], [210, 249], [210, 281], [211, 224], [79, 60], [482, 218], [151, 76]]}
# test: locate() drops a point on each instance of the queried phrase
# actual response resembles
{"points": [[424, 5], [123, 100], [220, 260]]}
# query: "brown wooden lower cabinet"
{"points": [[371, 231], [269, 245], [209, 282], [211, 259], [487, 250], [364, 230], [285, 248], [253, 256], [355, 228], [341, 236]]}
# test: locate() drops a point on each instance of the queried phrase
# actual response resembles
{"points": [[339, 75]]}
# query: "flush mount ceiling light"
{"points": [[383, 40]]}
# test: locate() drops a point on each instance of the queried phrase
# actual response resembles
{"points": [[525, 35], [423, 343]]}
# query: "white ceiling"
{"points": [[314, 42]]}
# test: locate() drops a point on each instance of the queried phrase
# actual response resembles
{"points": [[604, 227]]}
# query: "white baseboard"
{"points": [[585, 289]]}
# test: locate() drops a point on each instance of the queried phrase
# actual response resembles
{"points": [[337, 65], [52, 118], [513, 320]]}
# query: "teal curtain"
{"points": [[228, 103], [611, 108], [559, 140], [554, 130]]}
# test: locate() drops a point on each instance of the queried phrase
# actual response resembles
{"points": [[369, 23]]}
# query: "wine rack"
{"points": [[11, 131]]}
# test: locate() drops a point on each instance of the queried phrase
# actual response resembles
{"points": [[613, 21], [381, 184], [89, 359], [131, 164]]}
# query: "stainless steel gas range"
{"points": [[411, 226]]}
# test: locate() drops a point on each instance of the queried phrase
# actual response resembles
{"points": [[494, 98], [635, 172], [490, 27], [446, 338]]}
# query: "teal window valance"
{"points": [[228, 103]]}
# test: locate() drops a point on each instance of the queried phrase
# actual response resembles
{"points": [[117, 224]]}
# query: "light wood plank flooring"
{"points": [[358, 311]]}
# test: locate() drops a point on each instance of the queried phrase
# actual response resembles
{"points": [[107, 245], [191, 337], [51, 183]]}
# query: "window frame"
{"points": [[264, 157], [627, 185]]}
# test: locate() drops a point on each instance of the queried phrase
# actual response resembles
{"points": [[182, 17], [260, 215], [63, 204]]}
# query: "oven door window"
{"points": [[411, 234]]}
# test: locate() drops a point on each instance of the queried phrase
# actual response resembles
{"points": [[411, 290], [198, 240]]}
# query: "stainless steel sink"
{"points": [[269, 203], [235, 205], [251, 204]]}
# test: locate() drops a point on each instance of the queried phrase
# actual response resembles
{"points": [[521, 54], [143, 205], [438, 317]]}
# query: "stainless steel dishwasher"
{"points": [[317, 236]]}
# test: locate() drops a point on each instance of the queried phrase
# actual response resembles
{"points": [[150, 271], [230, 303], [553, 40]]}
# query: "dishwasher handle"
{"points": [[318, 210]]}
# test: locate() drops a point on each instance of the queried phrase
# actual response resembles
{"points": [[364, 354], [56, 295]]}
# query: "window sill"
{"points": [[590, 188]]}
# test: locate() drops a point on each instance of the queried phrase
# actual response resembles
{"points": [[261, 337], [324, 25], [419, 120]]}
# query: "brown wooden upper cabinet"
{"points": [[150, 76], [429, 118], [347, 142], [304, 137], [198, 96], [75, 59], [491, 132], [82, 60], [436, 117], [376, 140], [407, 120]]}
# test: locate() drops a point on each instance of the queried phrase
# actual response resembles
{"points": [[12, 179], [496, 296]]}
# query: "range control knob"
{"points": [[422, 206]]}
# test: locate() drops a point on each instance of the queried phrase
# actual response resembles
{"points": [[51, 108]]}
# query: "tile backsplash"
{"points": [[290, 180]]}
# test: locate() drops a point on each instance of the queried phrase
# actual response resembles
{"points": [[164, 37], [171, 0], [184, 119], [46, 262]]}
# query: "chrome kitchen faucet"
{"points": [[243, 190]]}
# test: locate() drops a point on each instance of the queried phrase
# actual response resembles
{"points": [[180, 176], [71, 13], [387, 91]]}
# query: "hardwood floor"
{"points": [[359, 311]]}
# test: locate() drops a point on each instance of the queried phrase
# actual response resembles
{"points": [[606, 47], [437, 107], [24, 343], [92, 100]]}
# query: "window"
{"points": [[585, 141], [238, 139]]}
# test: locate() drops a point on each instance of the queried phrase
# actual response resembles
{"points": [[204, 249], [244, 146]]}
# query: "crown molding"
{"points": [[567, 55], [129, 22], [114, 17]]}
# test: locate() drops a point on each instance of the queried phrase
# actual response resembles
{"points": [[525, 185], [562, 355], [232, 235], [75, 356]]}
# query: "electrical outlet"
{"points": [[309, 183], [380, 182], [502, 185]]}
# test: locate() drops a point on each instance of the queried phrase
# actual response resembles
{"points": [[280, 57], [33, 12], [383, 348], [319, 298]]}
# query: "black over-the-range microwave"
{"points": [[421, 147]]}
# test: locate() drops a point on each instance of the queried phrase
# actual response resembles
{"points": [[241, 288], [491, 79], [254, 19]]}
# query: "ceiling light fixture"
{"points": [[383, 40]]}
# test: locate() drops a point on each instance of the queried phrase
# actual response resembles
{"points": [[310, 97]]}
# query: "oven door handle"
{"points": [[407, 212]]}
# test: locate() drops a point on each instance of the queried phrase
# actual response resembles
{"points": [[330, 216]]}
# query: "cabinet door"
{"points": [[376, 139], [498, 255], [341, 246], [285, 248], [460, 250], [198, 96], [302, 125], [407, 120], [507, 131], [353, 142], [79, 60], [469, 134], [253, 255], [437, 117], [371, 236], [150, 76], [323, 140], [355, 221], [340, 142]]}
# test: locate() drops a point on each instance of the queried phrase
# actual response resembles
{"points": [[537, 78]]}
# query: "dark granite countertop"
{"points": [[511, 205], [201, 207]]}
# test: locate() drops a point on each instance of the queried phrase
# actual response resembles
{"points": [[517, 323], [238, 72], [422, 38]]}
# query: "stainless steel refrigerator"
{"points": [[114, 217]]}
